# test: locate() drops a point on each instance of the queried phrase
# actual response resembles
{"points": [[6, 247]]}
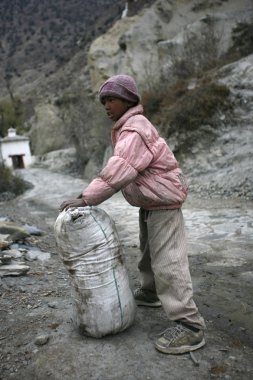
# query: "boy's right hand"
{"points": [[72, 203]]}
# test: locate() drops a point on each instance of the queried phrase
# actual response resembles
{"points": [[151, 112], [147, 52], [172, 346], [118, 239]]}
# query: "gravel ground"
{"points": [[39, 341]]}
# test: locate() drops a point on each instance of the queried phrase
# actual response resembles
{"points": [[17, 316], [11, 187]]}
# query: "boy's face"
{"points": [[115, 107]]}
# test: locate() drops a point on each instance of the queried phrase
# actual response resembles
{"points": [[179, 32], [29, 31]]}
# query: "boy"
{"points": [[144, 168]]}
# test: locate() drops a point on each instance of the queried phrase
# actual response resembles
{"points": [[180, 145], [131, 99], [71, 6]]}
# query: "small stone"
{"points": [[22, 289], [53, 305], [30, 257], [40, 340], [13, 270], [14, 253], [32, 230], [5, 259], [36, 254]]}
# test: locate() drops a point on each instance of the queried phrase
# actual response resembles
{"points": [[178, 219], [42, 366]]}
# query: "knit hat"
{"points": [[120, 86]]}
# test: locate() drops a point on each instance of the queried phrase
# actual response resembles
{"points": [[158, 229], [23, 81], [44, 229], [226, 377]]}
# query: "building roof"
{"points": [[13, 138]]}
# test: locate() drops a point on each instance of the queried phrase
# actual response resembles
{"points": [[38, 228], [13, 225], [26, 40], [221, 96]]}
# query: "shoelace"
{"points": [[173, 333], [138, 292]]}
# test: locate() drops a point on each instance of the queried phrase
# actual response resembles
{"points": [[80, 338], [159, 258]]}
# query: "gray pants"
{"points": [[164, 267]]}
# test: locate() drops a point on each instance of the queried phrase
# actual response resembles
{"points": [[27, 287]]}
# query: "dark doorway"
{"points": [[17, 161]]}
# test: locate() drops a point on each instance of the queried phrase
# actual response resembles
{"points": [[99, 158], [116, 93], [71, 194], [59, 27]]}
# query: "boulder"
{"points": [[58, 160], [47, 132]]}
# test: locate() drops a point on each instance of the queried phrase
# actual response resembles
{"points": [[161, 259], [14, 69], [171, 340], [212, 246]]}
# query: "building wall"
{"points": [[11, 148]]}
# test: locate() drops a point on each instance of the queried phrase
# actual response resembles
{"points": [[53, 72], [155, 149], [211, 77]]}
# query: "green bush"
{"points": [[151, 103], [11, 183], [197, 107], [11, 114], [243, 39], [154, 101], [191, 114]]}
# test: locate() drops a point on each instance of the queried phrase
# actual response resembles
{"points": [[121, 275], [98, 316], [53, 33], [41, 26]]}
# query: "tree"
{"points": [[11, 114]]}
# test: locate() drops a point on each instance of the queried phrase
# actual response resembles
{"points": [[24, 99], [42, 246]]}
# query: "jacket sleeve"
{"points": [[131, 156]]}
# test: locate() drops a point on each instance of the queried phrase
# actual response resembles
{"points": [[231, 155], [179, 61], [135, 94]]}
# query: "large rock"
{"points": [[106, 55], [57, 160], [47, 132]]}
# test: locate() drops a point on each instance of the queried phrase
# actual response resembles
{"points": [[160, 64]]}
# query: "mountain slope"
{"points": [[41, 35]]}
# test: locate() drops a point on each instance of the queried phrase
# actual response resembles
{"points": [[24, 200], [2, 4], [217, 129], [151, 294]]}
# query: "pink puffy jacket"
{"points": [[143, 167]]}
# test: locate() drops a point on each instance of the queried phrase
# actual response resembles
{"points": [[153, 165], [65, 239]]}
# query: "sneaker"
{"points": [[146, 298], [180, 339]]}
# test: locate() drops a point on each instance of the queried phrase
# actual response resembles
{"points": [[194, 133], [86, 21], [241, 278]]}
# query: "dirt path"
{"points": [[39, 304]]}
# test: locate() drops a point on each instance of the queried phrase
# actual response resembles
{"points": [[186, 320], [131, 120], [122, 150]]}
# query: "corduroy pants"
{"points": [[164, 266]]}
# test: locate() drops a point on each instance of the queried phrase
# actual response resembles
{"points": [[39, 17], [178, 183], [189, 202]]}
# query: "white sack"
{"points": [[89, 246]]}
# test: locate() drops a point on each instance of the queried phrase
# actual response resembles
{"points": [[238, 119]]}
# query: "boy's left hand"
{"points": [[72, 203]]}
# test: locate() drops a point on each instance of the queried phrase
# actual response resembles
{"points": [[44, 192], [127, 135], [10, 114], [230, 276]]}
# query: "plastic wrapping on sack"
{"points": [[89, 246]]}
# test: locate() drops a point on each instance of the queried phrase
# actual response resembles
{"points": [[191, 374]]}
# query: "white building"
{"points": [[15, 150]]}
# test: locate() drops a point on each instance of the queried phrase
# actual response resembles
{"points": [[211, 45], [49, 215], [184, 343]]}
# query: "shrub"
{"points": [[197, 106], [188, 115], [242, 39], [151, 103], [11, 183], [155, 100]]}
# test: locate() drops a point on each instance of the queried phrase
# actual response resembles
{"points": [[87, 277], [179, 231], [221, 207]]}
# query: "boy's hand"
{"points": [[72, 203]]}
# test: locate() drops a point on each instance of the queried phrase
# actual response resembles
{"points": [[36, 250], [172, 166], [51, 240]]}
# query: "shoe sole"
{"points": [[179, 350], [148, 304]]}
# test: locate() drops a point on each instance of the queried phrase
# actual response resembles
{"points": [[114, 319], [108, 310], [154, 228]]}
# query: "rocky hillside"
{"points": [[40, 37], [149, 45], [43, 54], [222, 166]]}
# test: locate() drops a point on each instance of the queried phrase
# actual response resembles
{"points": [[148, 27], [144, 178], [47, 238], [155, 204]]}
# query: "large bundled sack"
{"points": [[89, 246]]}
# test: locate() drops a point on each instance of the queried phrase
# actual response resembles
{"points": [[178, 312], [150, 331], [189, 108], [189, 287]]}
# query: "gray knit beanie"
{"points": [[121, 86]]}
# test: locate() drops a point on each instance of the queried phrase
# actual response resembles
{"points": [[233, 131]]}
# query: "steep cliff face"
{"points": [[145, 45]]}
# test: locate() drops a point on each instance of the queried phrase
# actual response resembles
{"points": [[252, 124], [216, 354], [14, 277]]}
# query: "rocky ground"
{"points": [[38, 340]]}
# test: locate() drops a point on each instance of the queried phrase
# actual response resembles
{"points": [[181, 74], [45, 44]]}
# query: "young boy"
{"points": [[144, 168]]}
